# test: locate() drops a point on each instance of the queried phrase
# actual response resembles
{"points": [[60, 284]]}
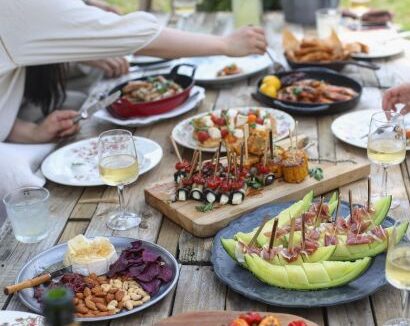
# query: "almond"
{"points": [[87, 292], [90, 304], [101, 307], [119, 295]]}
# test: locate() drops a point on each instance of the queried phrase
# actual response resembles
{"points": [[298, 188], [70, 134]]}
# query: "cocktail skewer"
{"points": [[292, 232], [369, 193], [256, 235], [174, 144], [273, 233]]}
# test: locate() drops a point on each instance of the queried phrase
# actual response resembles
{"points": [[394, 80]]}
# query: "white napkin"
{"points": [[19, 166], [188, 105]]}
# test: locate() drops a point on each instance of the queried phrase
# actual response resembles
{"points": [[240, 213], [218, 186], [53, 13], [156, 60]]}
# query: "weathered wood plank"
{"points": [[86, 211], [358, 313], [236, 301], [169, 235], [198, 289], [72, 229]]}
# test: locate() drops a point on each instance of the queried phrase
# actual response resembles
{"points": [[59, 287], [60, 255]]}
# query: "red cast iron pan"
{"points": [[125, 109]]}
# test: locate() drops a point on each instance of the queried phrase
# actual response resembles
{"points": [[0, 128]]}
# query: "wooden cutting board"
{"points": [[221, 318], [184, 213]]}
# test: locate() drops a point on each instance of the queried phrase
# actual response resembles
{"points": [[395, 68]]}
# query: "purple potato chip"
{"points": [[120, 265], [149, 256], [134, 271], [151, 287], [165, 273], [136, 244], [150, 272]]}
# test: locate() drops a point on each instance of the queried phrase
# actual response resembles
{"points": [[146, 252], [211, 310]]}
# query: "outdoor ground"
{"points": [[401, 8]]}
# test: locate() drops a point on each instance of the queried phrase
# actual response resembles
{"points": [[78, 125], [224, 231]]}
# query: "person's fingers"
{"points": [[64, 114], [70, 131], [125, 66], [106, 68], [122, 65], [115, 66]]}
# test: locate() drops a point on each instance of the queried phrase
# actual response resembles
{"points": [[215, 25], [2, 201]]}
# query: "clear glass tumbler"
{"points": [[28, 211]]}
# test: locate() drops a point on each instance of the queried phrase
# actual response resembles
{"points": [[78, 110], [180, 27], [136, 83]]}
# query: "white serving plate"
{"points": [[77, 164]]}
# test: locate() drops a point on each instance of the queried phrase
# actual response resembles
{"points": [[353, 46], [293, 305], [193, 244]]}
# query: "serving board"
{"points": [[205, 224], [221, 318]]}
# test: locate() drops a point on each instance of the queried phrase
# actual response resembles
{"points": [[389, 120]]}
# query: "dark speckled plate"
{"points": [[243, 282], [55, 255]]}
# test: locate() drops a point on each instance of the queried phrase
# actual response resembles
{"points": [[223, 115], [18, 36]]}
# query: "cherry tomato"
{"points": [[224, 133], [297, 323], [252, 118], [269, 321], [182, 165], [262, 169], [259, 121], [225, 186], [236, 185], [198, 179], [252, 318], [239, 322], [218, 121], [202, 136], [187, 182], [213, 183]]}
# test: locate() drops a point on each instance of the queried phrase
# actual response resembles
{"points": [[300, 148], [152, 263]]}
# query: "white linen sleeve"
{"points": [[44, 31]]}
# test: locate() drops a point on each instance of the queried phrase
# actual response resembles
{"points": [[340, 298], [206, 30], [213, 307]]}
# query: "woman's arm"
{"points": [[57, 124], [172, 43]]}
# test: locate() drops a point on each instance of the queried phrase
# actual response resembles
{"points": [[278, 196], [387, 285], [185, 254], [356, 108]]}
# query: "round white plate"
{"points": [[17, 318], [208, 67], [77, 164], [380, 51], [188, 105], [143, 60], [352, 128], [183, 131]]}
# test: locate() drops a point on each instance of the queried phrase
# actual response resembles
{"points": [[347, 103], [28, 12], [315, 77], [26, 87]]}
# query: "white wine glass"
{"points": [[386, 144], [118, 166], [398, 272]]}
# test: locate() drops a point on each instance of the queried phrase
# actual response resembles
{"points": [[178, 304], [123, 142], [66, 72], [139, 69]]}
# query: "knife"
{"points": [[44, 278], [110, 99]]}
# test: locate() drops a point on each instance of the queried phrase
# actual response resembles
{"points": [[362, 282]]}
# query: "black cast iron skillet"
{"points": [[322, 74], [334, 65]]}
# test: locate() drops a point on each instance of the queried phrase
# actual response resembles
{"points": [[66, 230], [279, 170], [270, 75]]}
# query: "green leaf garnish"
{"points": [[205, 207], [316, 173]]}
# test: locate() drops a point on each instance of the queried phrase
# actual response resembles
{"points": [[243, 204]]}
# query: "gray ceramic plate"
{"points": [[243, 282], [54, 257]]}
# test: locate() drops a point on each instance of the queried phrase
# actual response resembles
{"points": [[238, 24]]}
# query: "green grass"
{"points": [[400, 8]]}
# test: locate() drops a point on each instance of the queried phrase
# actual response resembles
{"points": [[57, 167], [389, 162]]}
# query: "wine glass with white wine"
{"points": [[398, 272], [118, 166], [386, 144]]}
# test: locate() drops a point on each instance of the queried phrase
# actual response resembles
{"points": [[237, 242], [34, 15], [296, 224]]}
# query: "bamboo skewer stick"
{"points": [[193, 164], [292, 232], [273, 233], [350, 203], [246, 136], [241, 158], [318, 217], [218, 154], [256, 235], [235, 162], [337, 207], [303, 231], [271, 144], [369, 193], [265, 154], [174, 144], [296, 134]]}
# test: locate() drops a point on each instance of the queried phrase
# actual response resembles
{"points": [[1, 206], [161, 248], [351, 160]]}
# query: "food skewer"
{"points": [[303, 231], [174, 144], [318, 217], [273, 233], [218, 154], [350, 203], [246, 136], [256, 235], [241, 158], [369, 193], [292, 232], [337, 208], [271, 143]]}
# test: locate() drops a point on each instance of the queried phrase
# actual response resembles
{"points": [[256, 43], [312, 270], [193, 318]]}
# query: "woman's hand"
{"points": [[57, 124], [396, 95], [112, 67], [245, 41]]}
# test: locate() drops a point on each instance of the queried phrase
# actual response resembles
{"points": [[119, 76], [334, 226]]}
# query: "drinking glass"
{"points": [[359, 7], [327, 19], [398, 273], [27, 209], [247, 12], [118, 166], [386, 144], [184, 8]]}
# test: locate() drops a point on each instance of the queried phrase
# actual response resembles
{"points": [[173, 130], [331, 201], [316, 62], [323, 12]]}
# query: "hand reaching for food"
{"points": [[245, 41], [112, 67], [397, 95]]}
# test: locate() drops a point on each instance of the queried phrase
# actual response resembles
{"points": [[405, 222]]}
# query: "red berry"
{"points": [[259, 121], [224, 133]]}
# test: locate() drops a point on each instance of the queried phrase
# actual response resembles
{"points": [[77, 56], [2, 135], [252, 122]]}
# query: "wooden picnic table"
{"points": [[198, 288]]}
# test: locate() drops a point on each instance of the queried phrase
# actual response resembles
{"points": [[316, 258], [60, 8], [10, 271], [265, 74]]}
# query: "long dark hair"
{"points": [[45, 85]]}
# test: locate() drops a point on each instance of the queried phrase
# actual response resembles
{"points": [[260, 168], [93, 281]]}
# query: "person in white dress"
{"points": [[44, 32]]}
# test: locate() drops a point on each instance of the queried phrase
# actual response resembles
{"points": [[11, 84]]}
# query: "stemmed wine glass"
{"points": [[118, 166], [398, 272], [386, 144]]}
